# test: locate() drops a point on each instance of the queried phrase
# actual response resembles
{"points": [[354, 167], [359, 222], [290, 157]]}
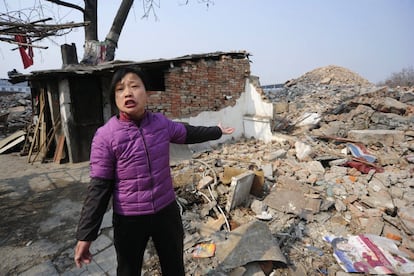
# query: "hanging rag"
{"points": [[27, 57]]}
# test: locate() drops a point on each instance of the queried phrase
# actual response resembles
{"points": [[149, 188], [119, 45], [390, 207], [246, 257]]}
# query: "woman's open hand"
{"points": [[226, 130]]}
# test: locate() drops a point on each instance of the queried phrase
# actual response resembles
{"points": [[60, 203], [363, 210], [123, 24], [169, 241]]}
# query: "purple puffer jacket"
{"points": [[137, 158]]}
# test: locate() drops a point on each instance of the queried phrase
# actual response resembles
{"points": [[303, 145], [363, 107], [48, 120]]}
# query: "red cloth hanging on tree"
{"points": [[27, 57]]}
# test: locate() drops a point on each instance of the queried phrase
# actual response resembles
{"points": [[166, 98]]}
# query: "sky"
{"points": [[286, 39]]}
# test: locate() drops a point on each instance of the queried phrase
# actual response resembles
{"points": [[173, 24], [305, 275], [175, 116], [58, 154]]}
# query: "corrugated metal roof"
{"points": [[80, 69]]}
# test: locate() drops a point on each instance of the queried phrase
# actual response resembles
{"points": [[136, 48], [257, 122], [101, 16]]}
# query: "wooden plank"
{"points": [[35, 133], [11, 137], [52, 130], [59, 149], [12, 144], [50, 139], [54, 106], [43, 126]]}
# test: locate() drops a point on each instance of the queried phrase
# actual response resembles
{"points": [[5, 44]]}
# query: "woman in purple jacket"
{"points": [[130, 162]]}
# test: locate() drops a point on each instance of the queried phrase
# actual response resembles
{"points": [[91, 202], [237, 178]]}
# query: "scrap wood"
{"points": [[42, 106], [11, 137], [339, 139], [362, 160], [18, 137], [47, 141], [26, 141], [59, 149]]}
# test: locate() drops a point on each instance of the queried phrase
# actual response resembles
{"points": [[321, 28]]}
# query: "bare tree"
{"points": [[15, 24], [95, 51], [405, 77], [18, 23]]}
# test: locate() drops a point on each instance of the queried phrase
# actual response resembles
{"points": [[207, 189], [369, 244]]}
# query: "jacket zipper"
{"points": [[149, 165]]}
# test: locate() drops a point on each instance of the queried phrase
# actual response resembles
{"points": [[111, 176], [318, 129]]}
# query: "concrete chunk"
{"points": [[372, 136]]}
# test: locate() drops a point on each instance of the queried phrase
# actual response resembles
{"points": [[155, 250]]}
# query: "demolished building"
{"points": [[329, 170], [71, 103], [335, 185]]}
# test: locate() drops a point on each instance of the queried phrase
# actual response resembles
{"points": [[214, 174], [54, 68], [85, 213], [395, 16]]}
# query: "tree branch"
{"points": [[21, 44], [66, 4]]}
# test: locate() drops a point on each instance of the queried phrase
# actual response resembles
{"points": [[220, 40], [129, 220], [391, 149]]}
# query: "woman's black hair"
{"points": [[120, 73]]}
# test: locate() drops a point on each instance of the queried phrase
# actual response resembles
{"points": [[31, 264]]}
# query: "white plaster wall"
{"points": [[250, 117], [230, 116], [258, 116], [257, 127], [255, 106]]}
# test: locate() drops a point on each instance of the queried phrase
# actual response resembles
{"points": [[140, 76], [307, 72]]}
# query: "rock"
{"points": [[373, 136]]}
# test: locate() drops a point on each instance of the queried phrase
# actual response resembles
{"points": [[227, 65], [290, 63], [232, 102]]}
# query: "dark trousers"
{"points": [[131, 234]]}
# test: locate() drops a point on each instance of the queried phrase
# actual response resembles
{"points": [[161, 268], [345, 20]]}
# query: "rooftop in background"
{"points": [[272, 88], [8, 87]]}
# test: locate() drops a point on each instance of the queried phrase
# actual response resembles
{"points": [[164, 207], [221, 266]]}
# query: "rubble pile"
{"points": [[339, 171], [321, 83], [15, 112], [332, 75], [332, 192]]}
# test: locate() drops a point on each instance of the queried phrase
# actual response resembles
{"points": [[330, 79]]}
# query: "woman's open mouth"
{"points": [[130, 103]]}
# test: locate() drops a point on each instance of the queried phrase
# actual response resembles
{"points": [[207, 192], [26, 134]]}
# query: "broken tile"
{"points": [[254, 238]]}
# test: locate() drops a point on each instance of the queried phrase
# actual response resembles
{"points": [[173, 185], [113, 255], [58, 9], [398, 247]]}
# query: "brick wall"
{"points": [[192, 87]]}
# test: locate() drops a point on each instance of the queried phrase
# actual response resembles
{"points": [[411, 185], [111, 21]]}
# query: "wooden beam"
{"points": [[59, 149], [12, 144], [42, 106], [10, 138]]}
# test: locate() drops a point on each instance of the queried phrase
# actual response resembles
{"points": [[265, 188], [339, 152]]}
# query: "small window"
{"points": [[156, 79]]}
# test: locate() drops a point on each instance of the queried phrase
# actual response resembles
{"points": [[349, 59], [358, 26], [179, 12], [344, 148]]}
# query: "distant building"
{"points": [[272, 87], [8, 87]]}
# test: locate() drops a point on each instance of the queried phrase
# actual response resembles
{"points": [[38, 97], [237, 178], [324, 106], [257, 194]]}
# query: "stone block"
{"points": [[373, 136]]}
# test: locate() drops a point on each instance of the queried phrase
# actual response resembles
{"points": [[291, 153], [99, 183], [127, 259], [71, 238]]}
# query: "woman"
{"points": [[130, 162]]}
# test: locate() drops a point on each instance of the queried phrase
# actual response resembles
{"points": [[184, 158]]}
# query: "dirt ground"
{"points": [[39, 211]]}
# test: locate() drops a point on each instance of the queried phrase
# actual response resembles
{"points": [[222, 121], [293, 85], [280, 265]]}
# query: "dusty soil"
{"points": [[39, 211]]}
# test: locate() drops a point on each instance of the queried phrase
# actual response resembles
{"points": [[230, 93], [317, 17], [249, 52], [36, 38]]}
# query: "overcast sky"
{"points": [[373, 38]]}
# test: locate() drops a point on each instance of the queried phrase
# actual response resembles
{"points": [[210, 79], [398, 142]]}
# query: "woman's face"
{"points": [[131, 96]]}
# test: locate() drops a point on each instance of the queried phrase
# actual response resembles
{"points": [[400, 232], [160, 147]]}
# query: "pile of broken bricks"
{"points": [[336, 183], [266, 211]]}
